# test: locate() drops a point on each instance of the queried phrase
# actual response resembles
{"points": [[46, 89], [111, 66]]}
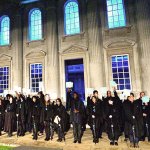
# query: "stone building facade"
{"points": [[95, 44]]}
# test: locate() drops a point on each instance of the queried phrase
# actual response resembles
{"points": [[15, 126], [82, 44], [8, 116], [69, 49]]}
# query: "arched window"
{"points": [[4, 30], [35, 24], [71, 18], [116, 13]]}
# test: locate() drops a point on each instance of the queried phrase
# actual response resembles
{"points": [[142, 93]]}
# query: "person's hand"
{"points": [[76, 111], [110, 102], [144, 114], [93, 116]]}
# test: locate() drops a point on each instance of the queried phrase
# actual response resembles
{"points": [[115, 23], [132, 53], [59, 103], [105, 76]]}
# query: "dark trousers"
{"points": [[21, 128], [49, 130], [35, 131], [133, 138], [77, 131], [60, 133], [113, 134]]}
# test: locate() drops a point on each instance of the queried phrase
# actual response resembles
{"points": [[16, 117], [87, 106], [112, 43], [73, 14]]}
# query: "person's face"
{"points": [[58, 102], [0, 102], [75, 96], [109, 93], [142, 94], [94, 100], [131, 98], [34, 99], [96, 94], [10, 99], [47, 98]]}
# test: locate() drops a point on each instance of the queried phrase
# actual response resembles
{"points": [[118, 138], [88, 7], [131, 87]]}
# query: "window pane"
{"points": [[115, 13], [4, 78], [72, 23], [35, 76], [35, 24], [5, 29], [120, 71]]}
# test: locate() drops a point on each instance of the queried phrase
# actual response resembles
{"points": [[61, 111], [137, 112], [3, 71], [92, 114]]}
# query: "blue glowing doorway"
{"points": [[74, 72]]}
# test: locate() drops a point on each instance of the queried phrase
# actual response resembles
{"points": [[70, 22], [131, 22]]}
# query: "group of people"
{"points": [[109, 114]]}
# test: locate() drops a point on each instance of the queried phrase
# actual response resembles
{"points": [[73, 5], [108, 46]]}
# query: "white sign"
{"points": [[69, 84], [145, 99]]}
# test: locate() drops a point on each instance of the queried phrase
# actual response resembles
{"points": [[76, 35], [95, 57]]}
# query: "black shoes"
{"points": [[114, 143], [75, 141]]}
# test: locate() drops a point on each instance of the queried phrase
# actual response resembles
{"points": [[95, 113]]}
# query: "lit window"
{"points": [[35, 77], [35, 24], [115, 13], [72, 23], [121, 71], [4, 30], [4, 79]]}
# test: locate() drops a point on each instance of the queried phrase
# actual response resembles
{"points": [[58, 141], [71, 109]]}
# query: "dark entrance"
{"points": [[74, 72]]}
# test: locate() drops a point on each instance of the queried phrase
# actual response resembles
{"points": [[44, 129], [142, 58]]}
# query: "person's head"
{"points": [[128, 97], [11, 99], [40, 94], [75, 95], [34, 99], [58, 102], [47, 98], [142, 94], [94, 99], [95, 93], [131, 97], [108, 93]]}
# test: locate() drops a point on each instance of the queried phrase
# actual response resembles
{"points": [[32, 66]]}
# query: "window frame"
{"points": [[29, 24], [64, 10], [124, 14], [1, 19], [129, 67]]}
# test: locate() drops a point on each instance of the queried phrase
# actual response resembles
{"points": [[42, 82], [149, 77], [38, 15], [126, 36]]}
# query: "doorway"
{"points": [[74, 72]]}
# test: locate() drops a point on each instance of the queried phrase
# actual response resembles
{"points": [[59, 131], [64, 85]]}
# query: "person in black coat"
{"points": [[95, 117], [2, 113], [42, 105], [61, 119], [125, 122], [9, 116], [48, 115], [29, 106], [113, 115], [146, 118], [20, 114], [35, 116], [133, 114], [76, 117], [68, 99]]}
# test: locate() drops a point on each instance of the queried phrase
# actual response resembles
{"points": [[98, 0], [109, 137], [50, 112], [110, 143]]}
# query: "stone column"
{"points": [[95, 45], [17, 41], [143, 26], [52, 70]]}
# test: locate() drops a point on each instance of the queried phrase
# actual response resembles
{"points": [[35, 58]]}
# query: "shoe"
{"points": [[131, 144], [79, 141], [111, 143], [75, 141], [126, 139], [59, 140], [116, 143], [136, 145]]}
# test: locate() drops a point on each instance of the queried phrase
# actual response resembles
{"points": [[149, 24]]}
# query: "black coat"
{"points": [[21, 110], [48, 113], [133, 109], [95, 109], [115, 111], [36, 112], [77, 117]]}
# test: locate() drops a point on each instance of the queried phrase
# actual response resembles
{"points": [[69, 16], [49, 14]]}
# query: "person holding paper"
{"points": [[9, 116], [60, 120], [113, 117], [35, 116], [2, 113], [95, 118], [20, 114], [48, 114], [133, 114], [146, 116], [76, 117]]}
